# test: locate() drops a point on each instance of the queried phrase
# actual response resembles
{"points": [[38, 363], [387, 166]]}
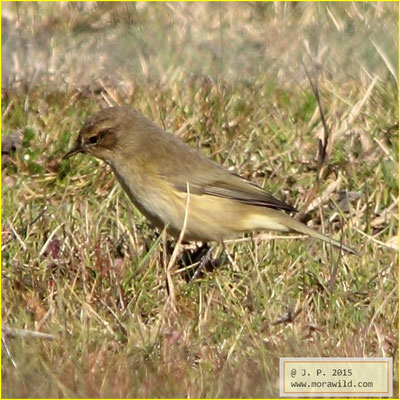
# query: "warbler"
{"points": [[159, 171]]}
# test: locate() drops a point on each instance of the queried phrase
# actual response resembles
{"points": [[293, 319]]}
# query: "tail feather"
{"points": [[283, 222]]}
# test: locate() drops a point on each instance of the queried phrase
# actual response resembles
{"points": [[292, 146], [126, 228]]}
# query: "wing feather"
{"points": [[238, 189]]}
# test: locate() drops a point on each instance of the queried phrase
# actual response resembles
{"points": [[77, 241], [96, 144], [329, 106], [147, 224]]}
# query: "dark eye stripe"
{"points": [[95, 138], [104, 132]]}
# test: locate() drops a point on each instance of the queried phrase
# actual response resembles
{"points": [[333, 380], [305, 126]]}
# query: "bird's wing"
{"points": [[235, 188], [208, 178]]}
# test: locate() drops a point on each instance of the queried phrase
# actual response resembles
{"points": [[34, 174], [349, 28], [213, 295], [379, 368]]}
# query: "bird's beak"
{"points": [[77, 149]]}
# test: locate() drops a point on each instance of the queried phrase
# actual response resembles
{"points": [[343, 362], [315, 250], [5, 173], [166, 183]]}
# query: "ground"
{"points": [[80, 263]]}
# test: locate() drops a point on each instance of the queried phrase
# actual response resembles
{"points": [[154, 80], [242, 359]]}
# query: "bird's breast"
{"points": [[153, 196], [209, 218]]}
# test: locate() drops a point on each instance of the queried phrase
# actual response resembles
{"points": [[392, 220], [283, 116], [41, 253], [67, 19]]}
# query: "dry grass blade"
{"points": [[25, 334], [320, 200], [392, 246], [175, 253], [322, 145], [355, 111], [387, 62]]}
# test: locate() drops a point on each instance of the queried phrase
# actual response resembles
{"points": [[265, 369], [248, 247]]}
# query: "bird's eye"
{"points": [[92, 140]]}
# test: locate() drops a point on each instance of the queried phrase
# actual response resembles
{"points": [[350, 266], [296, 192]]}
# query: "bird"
{"points": [[168, 180]]}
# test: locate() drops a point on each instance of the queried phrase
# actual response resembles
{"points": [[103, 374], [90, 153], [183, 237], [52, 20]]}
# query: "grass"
{"points": [[80, 263]]}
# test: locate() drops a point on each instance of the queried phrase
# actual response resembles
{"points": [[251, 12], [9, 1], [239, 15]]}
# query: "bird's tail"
{"points": [[276, 220]]}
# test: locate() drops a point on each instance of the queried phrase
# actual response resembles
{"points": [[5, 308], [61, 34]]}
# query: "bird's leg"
{"points": [[205, 253]]}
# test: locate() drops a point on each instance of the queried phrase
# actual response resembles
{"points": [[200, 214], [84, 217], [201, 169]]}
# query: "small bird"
{"points": [[158, 171]]}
